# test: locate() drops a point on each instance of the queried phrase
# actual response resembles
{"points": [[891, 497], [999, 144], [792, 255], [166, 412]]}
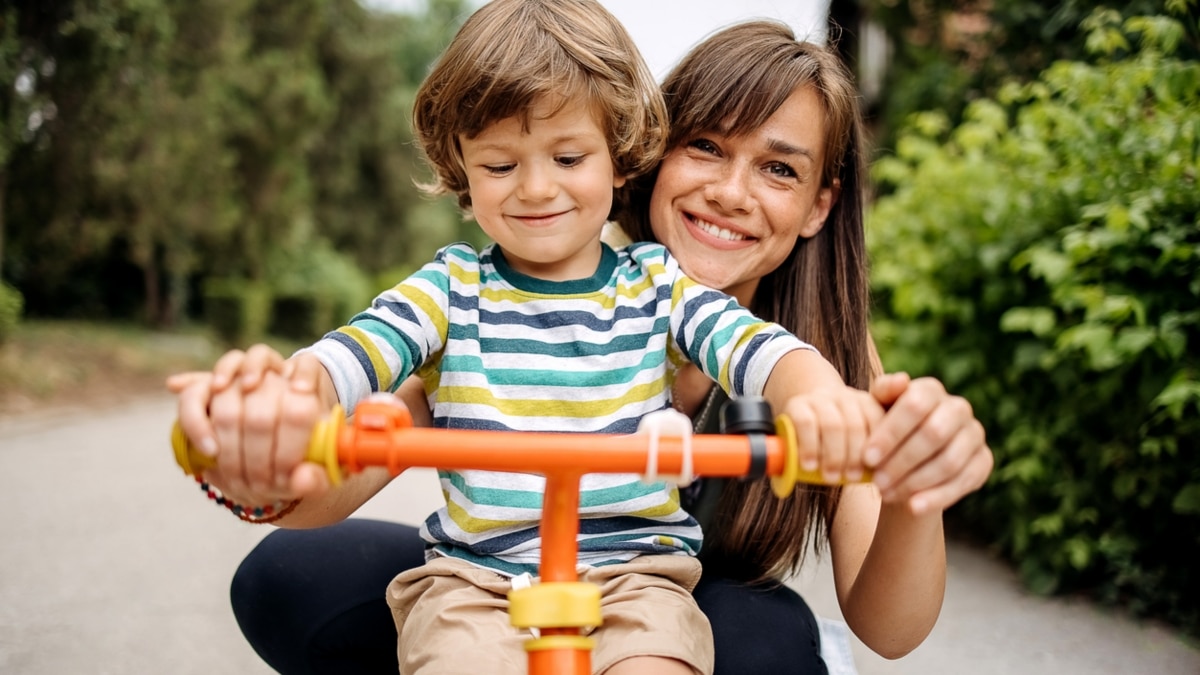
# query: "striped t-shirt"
{"points": [[501, 350]]}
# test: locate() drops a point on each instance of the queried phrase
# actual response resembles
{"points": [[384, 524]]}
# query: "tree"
{"points": [[947, 53], [23, 106], [180, 142]]}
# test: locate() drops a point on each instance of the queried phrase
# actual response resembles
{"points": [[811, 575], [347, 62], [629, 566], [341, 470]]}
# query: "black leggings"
{"points": [[312, 602]]}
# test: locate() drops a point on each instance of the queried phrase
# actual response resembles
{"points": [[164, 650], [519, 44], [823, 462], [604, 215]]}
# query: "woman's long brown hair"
{"points": [[732, 83]]}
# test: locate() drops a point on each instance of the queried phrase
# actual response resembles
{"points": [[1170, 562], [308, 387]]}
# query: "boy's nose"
{"points": [[536, 184]]}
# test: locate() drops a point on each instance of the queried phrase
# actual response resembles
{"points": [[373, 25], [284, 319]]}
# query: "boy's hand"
{"points": [[832, 426]]}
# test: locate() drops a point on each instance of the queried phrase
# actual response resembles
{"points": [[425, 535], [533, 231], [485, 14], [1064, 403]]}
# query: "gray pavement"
{"points": [[112, 562]]}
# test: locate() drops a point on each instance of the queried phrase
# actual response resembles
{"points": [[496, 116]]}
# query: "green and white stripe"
{"points": [[501, 350]]}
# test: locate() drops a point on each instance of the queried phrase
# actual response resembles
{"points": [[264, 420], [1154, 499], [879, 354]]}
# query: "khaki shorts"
{"points": [[452, 617]]}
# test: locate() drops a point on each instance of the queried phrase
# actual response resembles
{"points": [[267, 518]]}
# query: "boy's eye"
{"points": [[569, 160], [498, 169]]}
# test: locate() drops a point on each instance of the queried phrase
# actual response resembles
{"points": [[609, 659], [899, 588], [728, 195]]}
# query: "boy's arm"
{"points": [[800, 371], [390, 340], [832, 419]]}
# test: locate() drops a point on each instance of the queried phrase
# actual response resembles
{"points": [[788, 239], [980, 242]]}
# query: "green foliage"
{"points": [[299, 318], [179, 141], [11, 306], [332, 287], [17, 63], [943, 54], [237, 310], [1043, 258]]}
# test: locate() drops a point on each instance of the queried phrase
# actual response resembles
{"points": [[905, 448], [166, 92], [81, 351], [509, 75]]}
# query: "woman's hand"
{"points": [[250, 366], [928, 451], [255, 413]]}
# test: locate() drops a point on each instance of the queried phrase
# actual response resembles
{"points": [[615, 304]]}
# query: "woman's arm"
{"points": [[889, 570], [887, 542]]}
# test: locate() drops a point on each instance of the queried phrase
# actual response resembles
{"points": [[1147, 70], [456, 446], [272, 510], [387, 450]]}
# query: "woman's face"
{"points": [[731, 208]]}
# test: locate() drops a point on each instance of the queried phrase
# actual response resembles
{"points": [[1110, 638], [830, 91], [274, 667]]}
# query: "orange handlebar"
{"points": [[381, 434]]}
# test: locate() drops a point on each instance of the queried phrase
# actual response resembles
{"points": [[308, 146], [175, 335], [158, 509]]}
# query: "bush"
{"points": [[1043, 259], [302, 317], [12, 304], [237, 310], [323, 286]]}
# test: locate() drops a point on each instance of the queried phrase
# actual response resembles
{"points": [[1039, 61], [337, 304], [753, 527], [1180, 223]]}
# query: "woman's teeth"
{"points": [[717, 231]]}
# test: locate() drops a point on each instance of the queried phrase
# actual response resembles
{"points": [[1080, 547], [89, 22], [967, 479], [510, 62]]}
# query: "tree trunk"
{"points": [[150, 278], [177, 297], [3, 191], [845, 25]]}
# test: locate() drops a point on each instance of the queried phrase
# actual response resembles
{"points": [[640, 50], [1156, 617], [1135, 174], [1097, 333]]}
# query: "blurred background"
{"points": [[177, 177]]}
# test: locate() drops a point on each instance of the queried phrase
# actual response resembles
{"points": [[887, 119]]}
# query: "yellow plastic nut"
{"points": [[555, 604], [576, 642], [783, 484], [322, 445]]}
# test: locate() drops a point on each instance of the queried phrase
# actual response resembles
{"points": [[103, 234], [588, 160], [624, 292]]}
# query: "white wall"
{"points": [[665, 29]]}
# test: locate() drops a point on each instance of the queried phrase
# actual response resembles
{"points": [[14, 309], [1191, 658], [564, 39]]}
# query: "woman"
{"points": [[759, 195]]}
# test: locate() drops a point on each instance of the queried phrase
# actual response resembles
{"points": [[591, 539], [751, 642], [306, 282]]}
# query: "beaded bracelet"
{"points": [[257, 514]]}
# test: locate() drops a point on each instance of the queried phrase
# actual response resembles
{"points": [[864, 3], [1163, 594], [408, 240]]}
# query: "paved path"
{"points": [[112, 562]]}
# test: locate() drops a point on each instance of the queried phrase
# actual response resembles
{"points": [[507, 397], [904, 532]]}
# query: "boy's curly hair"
{"points": [[513, 54]]}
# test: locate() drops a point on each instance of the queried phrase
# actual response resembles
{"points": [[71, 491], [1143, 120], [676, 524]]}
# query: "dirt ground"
{"points": [[52, 365]]}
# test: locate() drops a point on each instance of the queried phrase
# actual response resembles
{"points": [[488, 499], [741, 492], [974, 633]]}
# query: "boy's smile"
{"points": [[543, 191]]}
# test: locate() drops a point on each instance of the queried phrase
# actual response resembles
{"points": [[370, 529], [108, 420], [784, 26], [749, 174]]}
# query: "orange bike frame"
{"points": [[381, 434]]}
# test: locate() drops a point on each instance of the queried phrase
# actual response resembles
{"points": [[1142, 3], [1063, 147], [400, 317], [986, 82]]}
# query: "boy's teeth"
{"points": [[718, 232]]}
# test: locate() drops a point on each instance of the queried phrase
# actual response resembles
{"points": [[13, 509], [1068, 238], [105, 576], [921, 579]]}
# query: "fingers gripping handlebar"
{"points": [[381, 434], [322, 445]]}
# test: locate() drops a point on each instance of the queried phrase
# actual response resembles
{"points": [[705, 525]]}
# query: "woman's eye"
{"points": [[569, 160], [703, 145], [781, 170]]}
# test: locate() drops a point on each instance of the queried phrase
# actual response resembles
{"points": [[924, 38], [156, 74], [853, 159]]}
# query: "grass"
{"points": [[47, 364]]}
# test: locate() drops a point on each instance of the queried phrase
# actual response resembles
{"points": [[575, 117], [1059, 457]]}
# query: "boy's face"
{"points": [[544, 193]]}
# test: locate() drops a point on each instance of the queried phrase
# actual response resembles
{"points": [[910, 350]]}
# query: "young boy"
{"points": [[535, 113]]}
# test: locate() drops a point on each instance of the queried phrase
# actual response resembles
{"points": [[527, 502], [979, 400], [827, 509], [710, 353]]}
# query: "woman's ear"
{"points": [[826, 198]]}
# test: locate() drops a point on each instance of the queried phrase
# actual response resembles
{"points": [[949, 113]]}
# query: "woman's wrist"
{"points": [[250, 513], [897, 518]]}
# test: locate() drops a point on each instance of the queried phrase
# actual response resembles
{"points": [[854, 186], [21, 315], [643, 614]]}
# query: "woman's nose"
{"points": [[730, 187]]}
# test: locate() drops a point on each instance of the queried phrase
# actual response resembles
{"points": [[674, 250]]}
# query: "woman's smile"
{"points": [[724, 233]]}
